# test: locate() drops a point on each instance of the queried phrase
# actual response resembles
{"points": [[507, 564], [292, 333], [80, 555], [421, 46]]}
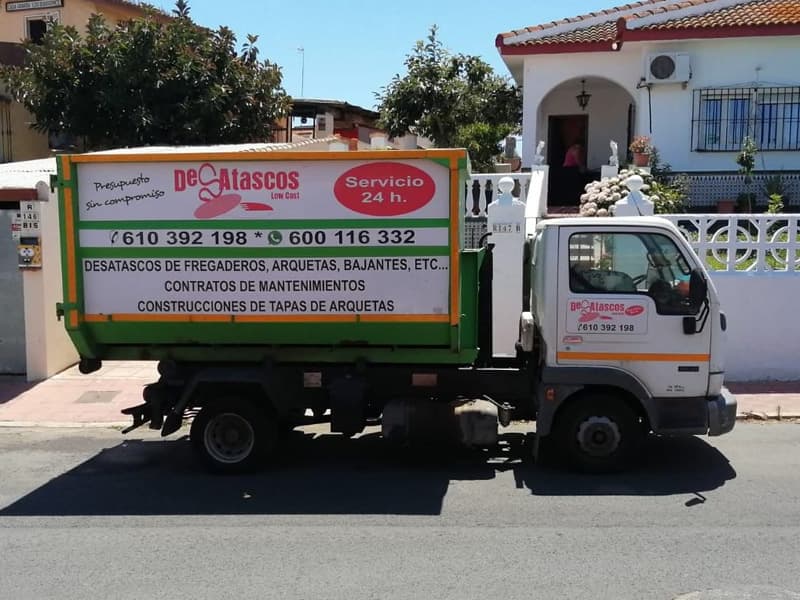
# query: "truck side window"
{"points": [[631, 263]]}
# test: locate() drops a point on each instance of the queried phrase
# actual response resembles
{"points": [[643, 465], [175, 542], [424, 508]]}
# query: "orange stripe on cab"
{"points": [[633, 356]]}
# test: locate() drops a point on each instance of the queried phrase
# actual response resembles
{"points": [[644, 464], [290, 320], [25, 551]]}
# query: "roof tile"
{"points": [[612, 12], [745, 14], [756, 13]]}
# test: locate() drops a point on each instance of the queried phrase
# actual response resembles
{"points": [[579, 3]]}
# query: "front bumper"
{"points": [[721, 413]]}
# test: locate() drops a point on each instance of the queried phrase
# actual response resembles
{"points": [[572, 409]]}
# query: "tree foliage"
{"points": [[149, 81], [453, 99]]}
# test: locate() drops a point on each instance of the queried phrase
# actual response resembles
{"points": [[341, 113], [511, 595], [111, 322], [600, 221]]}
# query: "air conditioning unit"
{"points": [[323, 125], [668, 68]]}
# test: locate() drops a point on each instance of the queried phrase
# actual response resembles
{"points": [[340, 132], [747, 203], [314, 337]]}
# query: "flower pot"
{"points": [[726, 206], [640, 159]]}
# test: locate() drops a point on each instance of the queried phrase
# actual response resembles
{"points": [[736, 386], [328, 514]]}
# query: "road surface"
{"points": [[90, 514]]}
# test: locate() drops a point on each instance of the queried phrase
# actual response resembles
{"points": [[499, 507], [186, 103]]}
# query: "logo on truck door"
{"points": [[612, 316], [217, 189]]}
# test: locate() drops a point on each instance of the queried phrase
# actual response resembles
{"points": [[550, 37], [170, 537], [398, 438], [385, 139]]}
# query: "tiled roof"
{"points": [[26, 174], [612, 13], [604, 32], [602, 26], [751, 14]]}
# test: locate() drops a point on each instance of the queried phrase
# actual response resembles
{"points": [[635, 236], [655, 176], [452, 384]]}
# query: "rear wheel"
{"points": [[233, 435], [598, 433]]}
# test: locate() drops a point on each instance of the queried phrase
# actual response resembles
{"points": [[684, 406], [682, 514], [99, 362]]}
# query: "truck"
{"points": [[276, 288]]}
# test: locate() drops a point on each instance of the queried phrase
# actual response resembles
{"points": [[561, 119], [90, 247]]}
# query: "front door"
{"points": [[566, 155], [623, 297]]}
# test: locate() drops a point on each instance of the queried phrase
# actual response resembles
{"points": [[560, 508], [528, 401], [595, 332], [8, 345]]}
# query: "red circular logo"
{"points": [[634, 310], [384, 189]]}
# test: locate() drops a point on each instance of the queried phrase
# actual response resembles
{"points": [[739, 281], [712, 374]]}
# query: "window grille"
{"points": [[723, 117]]}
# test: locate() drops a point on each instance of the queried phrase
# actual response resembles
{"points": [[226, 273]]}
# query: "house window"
{"points": [[712, 122], [723, 117], [37, 26]]}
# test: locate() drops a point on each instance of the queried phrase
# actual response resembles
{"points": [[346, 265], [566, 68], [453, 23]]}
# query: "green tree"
{"points": [[148, 81], [453, 99]]}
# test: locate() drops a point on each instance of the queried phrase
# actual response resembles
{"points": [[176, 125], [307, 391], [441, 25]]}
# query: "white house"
{"points": [[696, 76]]}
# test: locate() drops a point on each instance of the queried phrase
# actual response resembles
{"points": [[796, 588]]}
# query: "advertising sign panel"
{"points": [[271, 238]]}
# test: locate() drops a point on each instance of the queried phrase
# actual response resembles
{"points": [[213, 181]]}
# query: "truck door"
{"points": [[622, 299]]}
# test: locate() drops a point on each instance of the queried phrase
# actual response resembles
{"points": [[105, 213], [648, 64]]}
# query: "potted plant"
{"points": [[641, 149]]}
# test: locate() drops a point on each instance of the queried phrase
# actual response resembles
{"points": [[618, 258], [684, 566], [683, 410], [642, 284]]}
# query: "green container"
{"points": [[249, 256]]}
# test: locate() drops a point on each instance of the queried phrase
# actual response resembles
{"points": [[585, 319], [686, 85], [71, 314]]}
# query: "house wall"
{"points": [[27, 143], [79, 12], [74, 12], [715, 63], [719, 63]]}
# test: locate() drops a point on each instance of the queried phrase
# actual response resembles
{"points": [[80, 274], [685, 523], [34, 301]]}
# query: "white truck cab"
{"points": [[623, 308]]}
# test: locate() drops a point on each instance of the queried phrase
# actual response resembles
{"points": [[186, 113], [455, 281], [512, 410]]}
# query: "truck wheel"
{"points": [[598, 433], [233, 436]]}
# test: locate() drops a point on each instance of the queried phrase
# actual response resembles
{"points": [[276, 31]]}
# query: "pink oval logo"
{"points": [[634, 310], [384, 189]]}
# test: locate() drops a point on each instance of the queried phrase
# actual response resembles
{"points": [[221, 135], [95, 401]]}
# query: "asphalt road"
{"points": [[91, 514]]}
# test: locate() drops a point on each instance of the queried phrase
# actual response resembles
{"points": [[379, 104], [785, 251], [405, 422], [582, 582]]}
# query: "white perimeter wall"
{"points": [[763, 325], [48, 348]]}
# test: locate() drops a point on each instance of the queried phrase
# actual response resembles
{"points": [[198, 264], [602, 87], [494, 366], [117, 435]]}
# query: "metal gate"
{"points": [[12, 310]]}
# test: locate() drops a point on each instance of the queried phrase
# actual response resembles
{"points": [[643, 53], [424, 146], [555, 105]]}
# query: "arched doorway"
{"points": [[578, 137]]}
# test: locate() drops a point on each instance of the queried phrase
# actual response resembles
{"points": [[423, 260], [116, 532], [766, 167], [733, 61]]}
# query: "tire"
{"points": [[233, 436], [598, 433]]}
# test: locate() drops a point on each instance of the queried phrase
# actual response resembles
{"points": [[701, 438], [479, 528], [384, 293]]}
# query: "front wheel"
{"points": [[598, 433], [233, 436]]}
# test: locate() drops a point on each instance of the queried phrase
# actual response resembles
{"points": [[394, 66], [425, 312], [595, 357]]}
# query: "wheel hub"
{"points": [[229, 438], [599, 436]]}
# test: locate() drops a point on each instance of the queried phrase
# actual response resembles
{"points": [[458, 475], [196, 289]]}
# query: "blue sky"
{"points": [[353, 48]]}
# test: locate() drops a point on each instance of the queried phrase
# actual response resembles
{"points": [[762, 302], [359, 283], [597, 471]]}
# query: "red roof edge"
{"points": [[644, 35], [568, 48]]}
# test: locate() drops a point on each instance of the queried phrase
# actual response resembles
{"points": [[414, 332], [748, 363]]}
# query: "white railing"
{"points": [[481, 190], [763, 243]]}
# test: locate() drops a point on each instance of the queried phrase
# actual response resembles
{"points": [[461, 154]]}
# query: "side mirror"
{"points": [[698, 289]]}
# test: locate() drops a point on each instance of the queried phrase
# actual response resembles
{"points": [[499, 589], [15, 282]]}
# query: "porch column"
{"points": [[531, 132]]}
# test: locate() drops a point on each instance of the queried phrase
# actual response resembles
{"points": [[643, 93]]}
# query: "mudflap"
{"points": [[348, 405]]}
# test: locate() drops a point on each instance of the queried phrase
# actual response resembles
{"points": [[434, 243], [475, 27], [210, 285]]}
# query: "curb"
{"points": [[65, 425], [762, 416]]}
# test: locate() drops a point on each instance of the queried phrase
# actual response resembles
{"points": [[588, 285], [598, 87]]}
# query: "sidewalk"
{"points": [[70, 399]]}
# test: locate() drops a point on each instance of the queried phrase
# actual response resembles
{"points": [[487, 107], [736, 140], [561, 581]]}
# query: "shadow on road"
{"points": [[332, 475]]}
